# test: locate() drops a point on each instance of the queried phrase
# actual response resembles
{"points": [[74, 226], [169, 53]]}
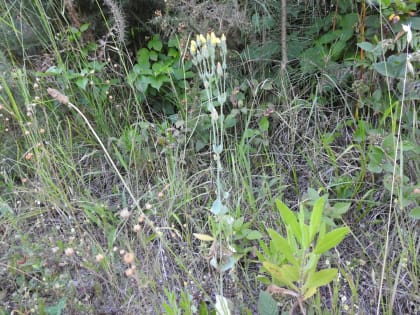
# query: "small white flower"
{"points": [[407, 29], [125, 214]]}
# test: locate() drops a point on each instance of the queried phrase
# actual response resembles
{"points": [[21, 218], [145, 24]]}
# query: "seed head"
{"points": [[69, 251], [99, 257], [125, 214], [128, 258]]}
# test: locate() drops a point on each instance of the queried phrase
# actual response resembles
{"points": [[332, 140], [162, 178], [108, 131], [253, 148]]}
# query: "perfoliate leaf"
{"points": [[204, 237], [320, 278], [330, 240]]}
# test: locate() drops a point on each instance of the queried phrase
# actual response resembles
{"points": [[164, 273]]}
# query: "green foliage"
{"points": [[392, 155], [157, 68], [292, 261], [267, 305], [185, 307]]}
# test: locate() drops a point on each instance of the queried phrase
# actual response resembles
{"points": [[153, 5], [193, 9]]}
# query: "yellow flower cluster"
{"points": [[210, 40]]}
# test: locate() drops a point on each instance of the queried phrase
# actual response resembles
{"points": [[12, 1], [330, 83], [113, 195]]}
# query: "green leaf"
{"points": [[155, 43], [237, 224], [218, 208], [153, 55], [366, 46], [339, 208], [84, 27], [5, 209], [320, 278], [82, 82], [316, 217], [415, 213], [57, 309], [266, 304], [330, 240], [283, 246], [253, 235], [143, 83], [157, 82], [227, 265], [143, 56], [376, 155], [394, 67], [289, 218], [264, 124], [283, 275]]}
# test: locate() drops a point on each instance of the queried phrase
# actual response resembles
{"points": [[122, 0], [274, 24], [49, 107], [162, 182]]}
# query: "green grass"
{"points": [[63, 233]]}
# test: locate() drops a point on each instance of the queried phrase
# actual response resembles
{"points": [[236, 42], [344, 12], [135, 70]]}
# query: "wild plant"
{"points": [[292, 261], [209, 57]]}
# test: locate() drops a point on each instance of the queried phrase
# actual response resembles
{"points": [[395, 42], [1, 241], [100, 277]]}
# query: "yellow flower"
{"points": [[214, 39], [193, 47], [202, 39]]}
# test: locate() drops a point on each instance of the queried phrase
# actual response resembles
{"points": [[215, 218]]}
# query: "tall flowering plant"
{"points": [[209, 57]]}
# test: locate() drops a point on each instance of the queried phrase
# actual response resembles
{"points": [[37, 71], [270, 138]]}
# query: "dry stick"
{"points": [[283, 34], [63, 99]]}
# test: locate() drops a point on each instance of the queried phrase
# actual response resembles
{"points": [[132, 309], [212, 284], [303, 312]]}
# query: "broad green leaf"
{"points": [[283, 246], [153, 55], [316, 217], [155, 43], [157, 82], [142, 84], [330, 240], [415, 213], [289, 218], [366, 46], [143, 56], [394, 67], [267, 305], [320, 278]]}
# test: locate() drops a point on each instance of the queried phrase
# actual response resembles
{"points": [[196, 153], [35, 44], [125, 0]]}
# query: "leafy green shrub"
{"points": [[159, 71]]}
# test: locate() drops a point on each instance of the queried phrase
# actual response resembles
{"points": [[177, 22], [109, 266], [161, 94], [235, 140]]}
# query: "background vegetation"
{"points": [[270, 165]]}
